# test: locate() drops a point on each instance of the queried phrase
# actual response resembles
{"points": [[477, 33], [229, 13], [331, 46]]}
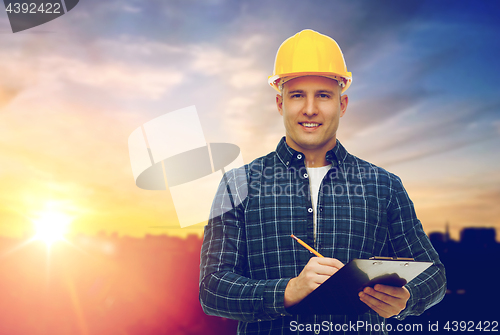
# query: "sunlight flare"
{"points": [[51, 226]]}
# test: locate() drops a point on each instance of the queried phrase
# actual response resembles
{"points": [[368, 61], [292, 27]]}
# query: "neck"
{"points": [[316, 159]]}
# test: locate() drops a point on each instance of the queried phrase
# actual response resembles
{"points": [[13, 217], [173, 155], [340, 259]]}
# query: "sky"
{"points": [[423, 104]]}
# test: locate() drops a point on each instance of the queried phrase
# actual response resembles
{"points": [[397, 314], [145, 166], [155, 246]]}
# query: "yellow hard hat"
{"points": [[309, 53]]}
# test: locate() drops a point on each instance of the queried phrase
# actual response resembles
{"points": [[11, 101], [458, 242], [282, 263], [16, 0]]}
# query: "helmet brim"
{"points": [[274, 79]]}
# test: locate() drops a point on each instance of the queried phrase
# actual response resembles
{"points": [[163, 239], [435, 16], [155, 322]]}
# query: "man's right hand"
{"points": [[316, 271]]}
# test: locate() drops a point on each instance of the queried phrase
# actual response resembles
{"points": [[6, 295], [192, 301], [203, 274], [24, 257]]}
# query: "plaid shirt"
{"points": [[248, 256]]}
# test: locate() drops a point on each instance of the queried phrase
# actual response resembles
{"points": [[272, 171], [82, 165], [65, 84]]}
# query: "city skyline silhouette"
{"points": [[107, 284]]}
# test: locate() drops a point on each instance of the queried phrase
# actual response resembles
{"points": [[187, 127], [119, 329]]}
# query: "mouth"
{"points": [[310, 125]]}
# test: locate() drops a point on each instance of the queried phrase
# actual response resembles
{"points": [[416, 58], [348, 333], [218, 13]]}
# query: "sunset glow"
{"points": [[51, 227]]}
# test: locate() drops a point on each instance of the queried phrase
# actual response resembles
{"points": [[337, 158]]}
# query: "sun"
{"points": [[51, 226]]}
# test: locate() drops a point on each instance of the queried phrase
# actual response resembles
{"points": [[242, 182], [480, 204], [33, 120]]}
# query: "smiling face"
{"points": [[311, 107]]}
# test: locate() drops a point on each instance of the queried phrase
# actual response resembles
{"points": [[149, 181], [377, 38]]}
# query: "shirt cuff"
{"points": [[410, 303], [274, 297]]}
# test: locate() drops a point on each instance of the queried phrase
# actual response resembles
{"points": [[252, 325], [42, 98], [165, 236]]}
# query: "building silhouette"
{"points": [[107, 284]]}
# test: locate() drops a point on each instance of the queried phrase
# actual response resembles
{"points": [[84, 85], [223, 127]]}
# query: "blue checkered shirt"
{"points": [[248, 256]]}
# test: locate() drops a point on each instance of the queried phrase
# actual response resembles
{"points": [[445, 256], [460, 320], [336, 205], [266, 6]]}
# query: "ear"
{"points": [[279, 103], [344, 100]]}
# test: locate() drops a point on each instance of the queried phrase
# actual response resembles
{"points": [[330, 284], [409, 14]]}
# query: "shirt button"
{"points": [[287, 162], [310, 210], [306, 175], [299, 156]]}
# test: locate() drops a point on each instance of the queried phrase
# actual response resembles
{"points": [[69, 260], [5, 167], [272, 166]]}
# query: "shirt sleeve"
{"points": [[408, 239], [224, 289]]}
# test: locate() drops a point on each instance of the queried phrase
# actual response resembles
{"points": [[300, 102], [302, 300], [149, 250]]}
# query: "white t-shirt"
{"points": [[316, 176]]}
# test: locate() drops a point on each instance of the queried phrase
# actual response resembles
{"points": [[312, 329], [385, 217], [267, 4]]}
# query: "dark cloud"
{"points": [[437, 150], [374, 110], [449, 125]]}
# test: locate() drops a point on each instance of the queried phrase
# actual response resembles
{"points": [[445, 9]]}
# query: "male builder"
{"points": [[342, 206]]}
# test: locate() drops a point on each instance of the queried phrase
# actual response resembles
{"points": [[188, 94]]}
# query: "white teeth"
{"points": [[310, 124]]}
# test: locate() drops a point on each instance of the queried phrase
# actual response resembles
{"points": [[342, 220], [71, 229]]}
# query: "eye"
{"points": [[324, 96], [296, 96]]}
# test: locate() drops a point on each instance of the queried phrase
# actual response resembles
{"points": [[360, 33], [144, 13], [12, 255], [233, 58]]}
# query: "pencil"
{"points": [[306, 246]]}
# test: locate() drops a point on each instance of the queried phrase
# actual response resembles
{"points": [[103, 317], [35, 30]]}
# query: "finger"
{"points": [[330, 262], [320, 279], [398, 292], [385, 298], [320, 266], [316, 273], [324, 270], [395, 305], [382, 307], [376, 305]]}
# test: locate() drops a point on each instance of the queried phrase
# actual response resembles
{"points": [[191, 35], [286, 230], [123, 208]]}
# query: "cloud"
{"points": [[115, 76], [372, 111], [131, 9], [438, 148], [128, 81], [423, 132], [133, 67], [7, 94], [236, 64], [209, 60], [15, 77]]}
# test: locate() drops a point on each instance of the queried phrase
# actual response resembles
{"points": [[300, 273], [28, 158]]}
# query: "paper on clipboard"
{"points": [[339, 293]]}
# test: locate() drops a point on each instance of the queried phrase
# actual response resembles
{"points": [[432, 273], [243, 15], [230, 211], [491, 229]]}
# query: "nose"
{"points": [[310, 108]]}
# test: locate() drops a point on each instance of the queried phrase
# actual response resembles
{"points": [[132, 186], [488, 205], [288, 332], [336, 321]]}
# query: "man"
{"points": [[346, 208]]}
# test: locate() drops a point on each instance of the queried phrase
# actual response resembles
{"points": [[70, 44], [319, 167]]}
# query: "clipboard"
{"points": [[339, 293]]}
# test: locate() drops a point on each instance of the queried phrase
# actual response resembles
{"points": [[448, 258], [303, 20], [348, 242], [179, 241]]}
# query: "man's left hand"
{"points": [[386, 300]]}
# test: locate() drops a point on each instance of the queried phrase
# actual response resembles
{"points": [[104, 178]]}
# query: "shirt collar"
{"points": [[338, 153], [290, 157]]}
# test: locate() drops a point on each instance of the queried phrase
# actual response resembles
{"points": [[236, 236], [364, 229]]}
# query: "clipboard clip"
{"points": [[382, 258]]}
